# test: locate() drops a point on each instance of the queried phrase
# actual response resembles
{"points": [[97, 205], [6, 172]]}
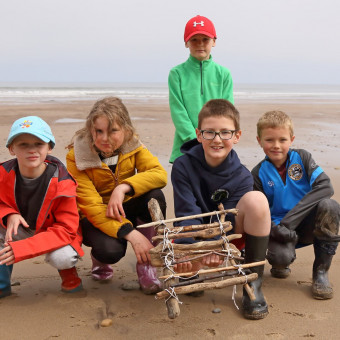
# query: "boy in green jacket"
{"points": [[196, 81]]}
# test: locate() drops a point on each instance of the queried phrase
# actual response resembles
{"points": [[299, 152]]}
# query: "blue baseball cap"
{"points": [[32, 125]]}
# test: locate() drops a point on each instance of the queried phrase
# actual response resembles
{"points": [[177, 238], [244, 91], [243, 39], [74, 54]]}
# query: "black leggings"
{"points": [[108, 249]]}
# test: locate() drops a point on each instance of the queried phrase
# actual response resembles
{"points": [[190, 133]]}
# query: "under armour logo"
{"points": [[271, 183], [199, 23]]}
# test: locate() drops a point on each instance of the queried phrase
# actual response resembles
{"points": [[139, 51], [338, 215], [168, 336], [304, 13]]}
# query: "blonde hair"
{"points": [[115, 111], [274, 119], [219, 108]]}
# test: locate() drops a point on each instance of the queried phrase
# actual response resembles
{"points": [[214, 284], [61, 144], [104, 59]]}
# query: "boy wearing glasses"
{"points": [[210, 173], [194, 82], [299, 194]]}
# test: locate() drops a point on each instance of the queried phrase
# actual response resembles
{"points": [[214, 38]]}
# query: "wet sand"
{"points": [[38, 310]]}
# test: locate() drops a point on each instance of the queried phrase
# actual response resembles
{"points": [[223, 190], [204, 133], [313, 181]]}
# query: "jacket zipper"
{"points": [[116, 176], [201, 68]]}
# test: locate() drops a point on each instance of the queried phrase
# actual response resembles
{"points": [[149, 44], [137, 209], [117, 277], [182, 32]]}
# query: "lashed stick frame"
{"points": [[227, 276]]}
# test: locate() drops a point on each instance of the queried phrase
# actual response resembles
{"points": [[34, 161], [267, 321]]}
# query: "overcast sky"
{"points": [[260, 41]]}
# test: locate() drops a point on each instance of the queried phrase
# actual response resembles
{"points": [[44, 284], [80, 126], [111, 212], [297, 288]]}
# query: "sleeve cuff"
{"points": [[124, 230]]}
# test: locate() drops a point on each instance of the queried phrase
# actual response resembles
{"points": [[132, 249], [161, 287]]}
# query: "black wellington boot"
{"points": [[324, 251], [326, 240], [255, 250]]}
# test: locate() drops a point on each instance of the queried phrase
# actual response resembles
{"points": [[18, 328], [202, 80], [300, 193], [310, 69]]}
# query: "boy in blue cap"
{"points": [[196, 81], [38, 210]]}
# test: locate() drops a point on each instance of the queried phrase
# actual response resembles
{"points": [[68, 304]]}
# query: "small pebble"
{"points": [[216, 310], [131, 285], [15, 283], [106, 323]]}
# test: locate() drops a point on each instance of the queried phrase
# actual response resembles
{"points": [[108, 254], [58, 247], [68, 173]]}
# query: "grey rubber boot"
{"points": [[324, 252], [255, 250], [325, 245]]}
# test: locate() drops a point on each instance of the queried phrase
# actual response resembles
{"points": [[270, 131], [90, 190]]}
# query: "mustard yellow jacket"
{"points": [[136, 166]]}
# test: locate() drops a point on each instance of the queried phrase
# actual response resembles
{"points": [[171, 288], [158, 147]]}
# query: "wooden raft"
{"points": [[166, 254]]}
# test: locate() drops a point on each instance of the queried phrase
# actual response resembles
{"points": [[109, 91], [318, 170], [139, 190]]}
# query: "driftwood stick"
{"points": [[215, 270], [249, 290], [246, 286], [198, 245], [194, 258], [209, 285], [157, 259], [172, 303], [227, 226], [206, 233], [205, 278], [152, 224], [157, 252], [221, 208], [195, 252]]}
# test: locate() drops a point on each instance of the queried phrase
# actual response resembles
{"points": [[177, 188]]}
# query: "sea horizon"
{"points": [[16, 93]]}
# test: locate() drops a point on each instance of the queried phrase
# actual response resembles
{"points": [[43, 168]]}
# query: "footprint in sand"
{"points": [[296, 314], [319, 316], [211, 332], [275, 336]]}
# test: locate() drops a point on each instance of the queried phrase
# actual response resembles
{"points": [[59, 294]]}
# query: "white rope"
{"points": [[172, 294], [169, 259], [230, 256], [233, 297]]}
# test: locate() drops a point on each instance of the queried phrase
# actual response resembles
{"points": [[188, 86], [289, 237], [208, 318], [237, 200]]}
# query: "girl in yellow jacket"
{"points": [[117, 176]]}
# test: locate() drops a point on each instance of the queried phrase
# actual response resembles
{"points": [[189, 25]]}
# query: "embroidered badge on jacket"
{"points": [[295, 172]]}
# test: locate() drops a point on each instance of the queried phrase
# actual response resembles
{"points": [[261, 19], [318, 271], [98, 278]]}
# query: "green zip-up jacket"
{"points": [[191, 85]]}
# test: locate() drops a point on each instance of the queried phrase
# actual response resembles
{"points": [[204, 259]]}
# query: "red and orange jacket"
{"points": [[58, 220]]}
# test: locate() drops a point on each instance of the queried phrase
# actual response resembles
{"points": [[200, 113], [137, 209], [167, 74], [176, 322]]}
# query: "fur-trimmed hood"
{"points": [[87, 158]]}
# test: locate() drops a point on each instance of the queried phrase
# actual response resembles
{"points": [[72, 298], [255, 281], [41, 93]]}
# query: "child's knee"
{"points": [[254, 202], [327, 220], [62, 258]]}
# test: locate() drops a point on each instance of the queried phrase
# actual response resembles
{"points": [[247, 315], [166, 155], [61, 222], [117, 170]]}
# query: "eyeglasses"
{"points": [[225, 135]]}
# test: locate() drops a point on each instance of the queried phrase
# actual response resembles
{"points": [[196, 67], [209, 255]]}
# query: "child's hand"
{"points": [[115, 206], [7, 255], [212, 260], [141, 246], [186, 266], [282, 234], [13, 222]]}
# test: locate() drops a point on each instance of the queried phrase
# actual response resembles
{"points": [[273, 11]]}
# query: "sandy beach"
{"points": [[38, 309]]}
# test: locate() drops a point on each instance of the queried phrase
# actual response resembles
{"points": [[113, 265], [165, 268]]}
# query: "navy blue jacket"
{"points": [[199, 188]]}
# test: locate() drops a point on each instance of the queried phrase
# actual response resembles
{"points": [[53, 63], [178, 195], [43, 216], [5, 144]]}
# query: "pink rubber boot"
{"points": [[147, 274], [147, 278], [101, 271]]}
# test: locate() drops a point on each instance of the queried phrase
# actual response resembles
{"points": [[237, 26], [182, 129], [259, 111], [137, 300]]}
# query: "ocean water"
{"points": [[23, 93]]}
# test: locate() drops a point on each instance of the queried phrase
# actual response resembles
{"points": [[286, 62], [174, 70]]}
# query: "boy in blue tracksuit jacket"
{"points": [[298, 192], [210, 173]]}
